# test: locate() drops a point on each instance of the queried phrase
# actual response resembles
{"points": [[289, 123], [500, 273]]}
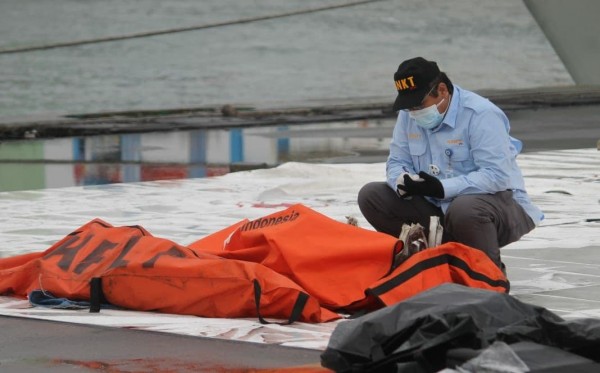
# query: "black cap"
{"points": [[413, 81]]}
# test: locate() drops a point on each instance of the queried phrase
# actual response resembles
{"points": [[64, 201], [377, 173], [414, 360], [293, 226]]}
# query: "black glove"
{"points": [[429, 186]]}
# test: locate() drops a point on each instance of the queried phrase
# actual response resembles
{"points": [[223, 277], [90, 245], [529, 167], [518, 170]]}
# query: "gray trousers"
{"points": [[482, 221]]}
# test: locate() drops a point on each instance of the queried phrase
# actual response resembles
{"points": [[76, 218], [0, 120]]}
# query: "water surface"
{"points": [[349, 52]]}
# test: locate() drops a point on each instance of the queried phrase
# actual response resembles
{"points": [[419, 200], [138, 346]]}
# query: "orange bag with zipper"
{"points": [[347, 268], [142, 272]]}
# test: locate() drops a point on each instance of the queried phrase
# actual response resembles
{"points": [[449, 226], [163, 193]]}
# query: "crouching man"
{"points": [[451, 156]]}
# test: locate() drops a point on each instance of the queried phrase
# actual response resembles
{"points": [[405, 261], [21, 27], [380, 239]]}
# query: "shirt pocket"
{"points": [[417, 151], [461, 160]]}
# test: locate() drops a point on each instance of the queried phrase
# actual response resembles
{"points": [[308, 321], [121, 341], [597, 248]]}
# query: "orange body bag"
{"points": [[293, 264]]}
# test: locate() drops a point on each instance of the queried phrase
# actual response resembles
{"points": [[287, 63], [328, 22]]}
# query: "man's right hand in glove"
{"points": [[400, 183]]}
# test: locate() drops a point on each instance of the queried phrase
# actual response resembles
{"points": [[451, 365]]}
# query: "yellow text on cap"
{"points": [[406, 83]]}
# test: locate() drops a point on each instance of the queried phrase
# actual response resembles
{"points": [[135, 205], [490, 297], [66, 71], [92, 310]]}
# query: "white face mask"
{"points": [[428, 117]]}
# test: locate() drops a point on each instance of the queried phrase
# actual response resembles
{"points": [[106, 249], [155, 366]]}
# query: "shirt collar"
{"points": [[452, 113]]}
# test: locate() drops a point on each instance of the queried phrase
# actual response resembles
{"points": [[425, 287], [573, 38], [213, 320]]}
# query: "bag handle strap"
{"points": [[96, 294], [296, 310]]}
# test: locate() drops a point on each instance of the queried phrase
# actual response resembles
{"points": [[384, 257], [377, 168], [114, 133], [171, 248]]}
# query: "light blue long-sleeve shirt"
{"points": [[471, 152]]}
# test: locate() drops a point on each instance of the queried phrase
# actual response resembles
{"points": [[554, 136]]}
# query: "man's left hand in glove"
{"points": [[429, 186]]}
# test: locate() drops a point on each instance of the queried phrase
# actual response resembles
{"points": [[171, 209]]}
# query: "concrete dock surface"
{"points": [[32, 346]]}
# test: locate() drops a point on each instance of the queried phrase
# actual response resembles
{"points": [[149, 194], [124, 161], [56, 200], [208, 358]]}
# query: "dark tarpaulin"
{"points": [[415, 335]]}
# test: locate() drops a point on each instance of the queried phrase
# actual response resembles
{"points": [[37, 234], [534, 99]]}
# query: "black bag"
{"points": [[416, 334]]}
